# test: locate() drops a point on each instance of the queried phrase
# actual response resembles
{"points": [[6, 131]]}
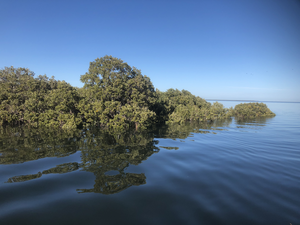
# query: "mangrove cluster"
{"points": [[114, 96], [252, 110]]}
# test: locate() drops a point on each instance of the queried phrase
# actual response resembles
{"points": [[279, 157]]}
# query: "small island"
{"points": [[115, 96]]}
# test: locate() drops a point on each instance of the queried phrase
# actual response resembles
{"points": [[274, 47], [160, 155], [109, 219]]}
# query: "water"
{"points": [[229, 172]]}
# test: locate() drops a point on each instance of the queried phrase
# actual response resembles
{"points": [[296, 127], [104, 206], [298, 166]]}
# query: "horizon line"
{"points": [[251, 100]]}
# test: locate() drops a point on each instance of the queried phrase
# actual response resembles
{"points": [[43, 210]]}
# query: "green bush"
{"points": [[115, 96], [36, 101], [252, 110]]}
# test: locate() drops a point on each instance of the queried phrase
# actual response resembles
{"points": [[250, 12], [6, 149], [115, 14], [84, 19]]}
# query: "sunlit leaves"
{"points": [[36, 101], [117, 96], [252, 110]]}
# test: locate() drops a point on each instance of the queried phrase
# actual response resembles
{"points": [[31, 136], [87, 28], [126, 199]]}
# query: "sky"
{"points": [[216, 49]]}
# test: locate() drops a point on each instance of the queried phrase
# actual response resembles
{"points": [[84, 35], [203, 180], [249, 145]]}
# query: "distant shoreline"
{"points": [[249, 101]]}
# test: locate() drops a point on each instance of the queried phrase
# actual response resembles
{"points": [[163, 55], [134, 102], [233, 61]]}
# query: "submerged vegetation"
{"points": [[115, 96]]}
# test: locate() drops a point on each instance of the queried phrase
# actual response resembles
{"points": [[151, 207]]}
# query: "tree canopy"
{"points": [[252, 110], [36, 101], [114, 96], [119, 95]]}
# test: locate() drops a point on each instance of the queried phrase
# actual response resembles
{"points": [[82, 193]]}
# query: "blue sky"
{"points": [[229, 49]]}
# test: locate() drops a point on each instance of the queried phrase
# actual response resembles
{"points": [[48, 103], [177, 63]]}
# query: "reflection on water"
{"points": [[24, 177], [252, 124], [226, 172], [101, 152], [113, 184], [169, 148], [182, 131], [63, 168], [255, 122], [19, 145]]}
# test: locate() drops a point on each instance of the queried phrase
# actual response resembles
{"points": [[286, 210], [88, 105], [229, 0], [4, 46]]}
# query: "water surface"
{"points": [[227, 172]]}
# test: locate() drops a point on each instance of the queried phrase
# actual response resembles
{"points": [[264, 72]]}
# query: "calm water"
{"points": [[230, 172]]}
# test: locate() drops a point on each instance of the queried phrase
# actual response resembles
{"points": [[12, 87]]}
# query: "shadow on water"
{"points": [[104, 154]]}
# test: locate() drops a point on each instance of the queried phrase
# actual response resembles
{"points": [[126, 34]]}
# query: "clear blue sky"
{"points": [[216, 49]]}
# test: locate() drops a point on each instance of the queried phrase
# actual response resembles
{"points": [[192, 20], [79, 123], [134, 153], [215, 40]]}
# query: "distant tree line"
{"points": [[114, 96]]}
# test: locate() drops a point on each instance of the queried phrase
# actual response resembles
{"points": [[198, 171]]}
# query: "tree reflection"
{"points": [[18, 145], [106, 184], [182, 131], [24, 177], [101, 152], [63, 168], [261, 121], [106, 155], [104, 152]]}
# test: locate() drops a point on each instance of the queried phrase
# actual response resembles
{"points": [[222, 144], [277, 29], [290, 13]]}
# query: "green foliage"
{"points": [[252, 110], [116, 95], [36, 101], [173, 105], [15, 85], [176, 106]]}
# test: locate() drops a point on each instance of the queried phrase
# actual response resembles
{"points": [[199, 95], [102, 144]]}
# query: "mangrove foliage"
{"points": [[115, 96], [252, 110]]}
